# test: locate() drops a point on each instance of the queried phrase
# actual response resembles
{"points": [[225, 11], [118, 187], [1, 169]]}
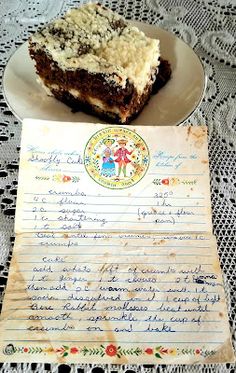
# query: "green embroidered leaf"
{"points": [[118, 355], [65, 347], [137, 351], [158, 348], [65, 354], [158, 356], [102, 346], [84, 351]]}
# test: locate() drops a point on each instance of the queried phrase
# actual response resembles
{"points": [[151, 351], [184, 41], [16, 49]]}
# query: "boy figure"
{"points": [[122, 158]]}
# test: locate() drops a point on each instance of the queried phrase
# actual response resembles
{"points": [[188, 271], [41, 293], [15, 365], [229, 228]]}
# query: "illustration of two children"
{"points": [[108, 165]]}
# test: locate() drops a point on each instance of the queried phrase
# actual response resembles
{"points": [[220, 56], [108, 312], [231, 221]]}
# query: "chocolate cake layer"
{"points": [[80, 104], [106, 113]]}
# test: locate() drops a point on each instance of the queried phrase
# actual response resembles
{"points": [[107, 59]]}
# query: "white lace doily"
{"points": [[209, 27]]}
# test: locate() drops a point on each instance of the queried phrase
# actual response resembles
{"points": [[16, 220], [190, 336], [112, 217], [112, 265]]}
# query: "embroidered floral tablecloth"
{"points": [[209, 28]]}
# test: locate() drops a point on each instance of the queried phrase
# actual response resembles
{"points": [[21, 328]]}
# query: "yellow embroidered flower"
{"points": [[49, 350], [174, 181], [97, 156], [172, 351], [57, 177]]}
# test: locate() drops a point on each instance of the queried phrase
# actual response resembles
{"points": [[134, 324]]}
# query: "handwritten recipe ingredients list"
{"points": [[114, 260], [162, 185]]}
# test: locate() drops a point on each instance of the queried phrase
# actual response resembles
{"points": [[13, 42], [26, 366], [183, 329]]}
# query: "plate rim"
{"points": [[135, 23]]}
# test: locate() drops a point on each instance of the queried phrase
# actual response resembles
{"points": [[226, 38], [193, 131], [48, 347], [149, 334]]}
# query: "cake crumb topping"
{"points": [[100, 41]]}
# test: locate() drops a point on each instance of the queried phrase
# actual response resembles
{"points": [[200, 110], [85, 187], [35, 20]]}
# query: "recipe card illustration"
{"points": [[114, 259], [116, 157], [76, 177]]}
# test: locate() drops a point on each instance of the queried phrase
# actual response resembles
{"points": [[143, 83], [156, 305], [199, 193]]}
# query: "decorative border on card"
{"points": [[110, 350]]}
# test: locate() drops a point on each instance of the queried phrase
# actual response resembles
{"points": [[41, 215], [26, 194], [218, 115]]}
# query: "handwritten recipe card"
{"points": [[114, 259]]}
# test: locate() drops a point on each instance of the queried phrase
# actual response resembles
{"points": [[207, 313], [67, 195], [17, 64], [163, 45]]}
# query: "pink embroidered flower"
{"points": [[60, 350], [165, 181], [74, 350], [111, 350], [149, 351], [164, 350], [66, 178], [198, 351]]}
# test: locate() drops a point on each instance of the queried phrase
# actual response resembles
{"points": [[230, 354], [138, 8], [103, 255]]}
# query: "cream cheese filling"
{"points": [[91, 100]]}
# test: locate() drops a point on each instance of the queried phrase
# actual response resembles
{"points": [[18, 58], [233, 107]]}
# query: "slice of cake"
{"points": [[93, 60]]}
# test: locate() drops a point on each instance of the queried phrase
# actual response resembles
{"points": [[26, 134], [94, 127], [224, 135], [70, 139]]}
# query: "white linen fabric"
{"points": [[209, 28]]}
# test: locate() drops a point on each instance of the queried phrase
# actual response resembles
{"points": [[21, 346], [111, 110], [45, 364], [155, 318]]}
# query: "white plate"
{"points": [[170, 106]]}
